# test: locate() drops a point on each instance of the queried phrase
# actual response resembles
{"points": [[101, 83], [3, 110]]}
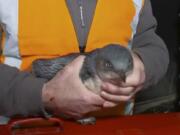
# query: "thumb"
{"points": [[77, 62]]}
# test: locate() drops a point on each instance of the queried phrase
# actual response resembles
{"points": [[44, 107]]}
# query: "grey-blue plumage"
{"points": [[111, 63], [47, 68]]}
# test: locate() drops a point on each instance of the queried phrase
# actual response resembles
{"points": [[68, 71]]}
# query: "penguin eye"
{"points": [[108, 65]]}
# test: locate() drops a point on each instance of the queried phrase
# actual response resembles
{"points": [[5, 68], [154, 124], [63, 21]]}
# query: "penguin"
{"points": [[112, 63]]}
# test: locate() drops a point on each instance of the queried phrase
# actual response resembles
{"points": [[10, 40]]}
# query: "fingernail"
{"points": [[103, 93]]}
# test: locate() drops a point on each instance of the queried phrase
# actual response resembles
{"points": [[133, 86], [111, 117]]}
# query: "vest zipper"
{"points": [[81, 9], [83, 25]]}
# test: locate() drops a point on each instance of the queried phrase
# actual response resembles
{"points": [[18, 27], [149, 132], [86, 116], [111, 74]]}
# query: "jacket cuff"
{"points": [[30, 96], [148, 71]]}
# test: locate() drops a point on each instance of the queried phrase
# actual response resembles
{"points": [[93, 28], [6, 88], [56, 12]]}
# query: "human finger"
{"points": [[109, 104], [117, 90], [115, 98]]}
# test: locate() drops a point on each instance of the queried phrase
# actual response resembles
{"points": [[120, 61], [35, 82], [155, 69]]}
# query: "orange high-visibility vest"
{"points": [[43, 28]]}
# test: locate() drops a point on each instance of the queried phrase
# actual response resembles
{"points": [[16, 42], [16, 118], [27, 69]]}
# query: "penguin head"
{"points": [[113, 63]]}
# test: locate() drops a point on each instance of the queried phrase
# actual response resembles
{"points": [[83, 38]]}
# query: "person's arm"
{"points": [[150, 57], [20, 92], [23, 94], [150, 47]]}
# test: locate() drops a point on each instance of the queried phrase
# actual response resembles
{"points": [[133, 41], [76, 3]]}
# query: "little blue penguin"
{"points": [[112, 63]]}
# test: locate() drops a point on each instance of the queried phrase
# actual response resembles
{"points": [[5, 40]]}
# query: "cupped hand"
{"points": [[125, 91], [65, 93]]}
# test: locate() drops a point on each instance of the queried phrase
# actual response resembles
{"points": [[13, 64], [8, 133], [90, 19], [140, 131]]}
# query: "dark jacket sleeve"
{"points": [[149, 46], [20, 93]]}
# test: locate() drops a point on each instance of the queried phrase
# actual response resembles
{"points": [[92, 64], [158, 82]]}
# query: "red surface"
{"points": [[159, 124]]}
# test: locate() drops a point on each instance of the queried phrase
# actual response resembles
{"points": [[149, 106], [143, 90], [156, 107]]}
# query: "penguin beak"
{"points": [[122, 77]]}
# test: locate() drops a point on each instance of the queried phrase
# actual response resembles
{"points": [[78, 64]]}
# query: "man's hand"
{"points": [[125, 91], [65, 93]]}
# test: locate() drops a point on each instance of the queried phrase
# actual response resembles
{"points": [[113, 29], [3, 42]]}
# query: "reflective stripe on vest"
{"points": [[42, 29], [9, 22]]}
